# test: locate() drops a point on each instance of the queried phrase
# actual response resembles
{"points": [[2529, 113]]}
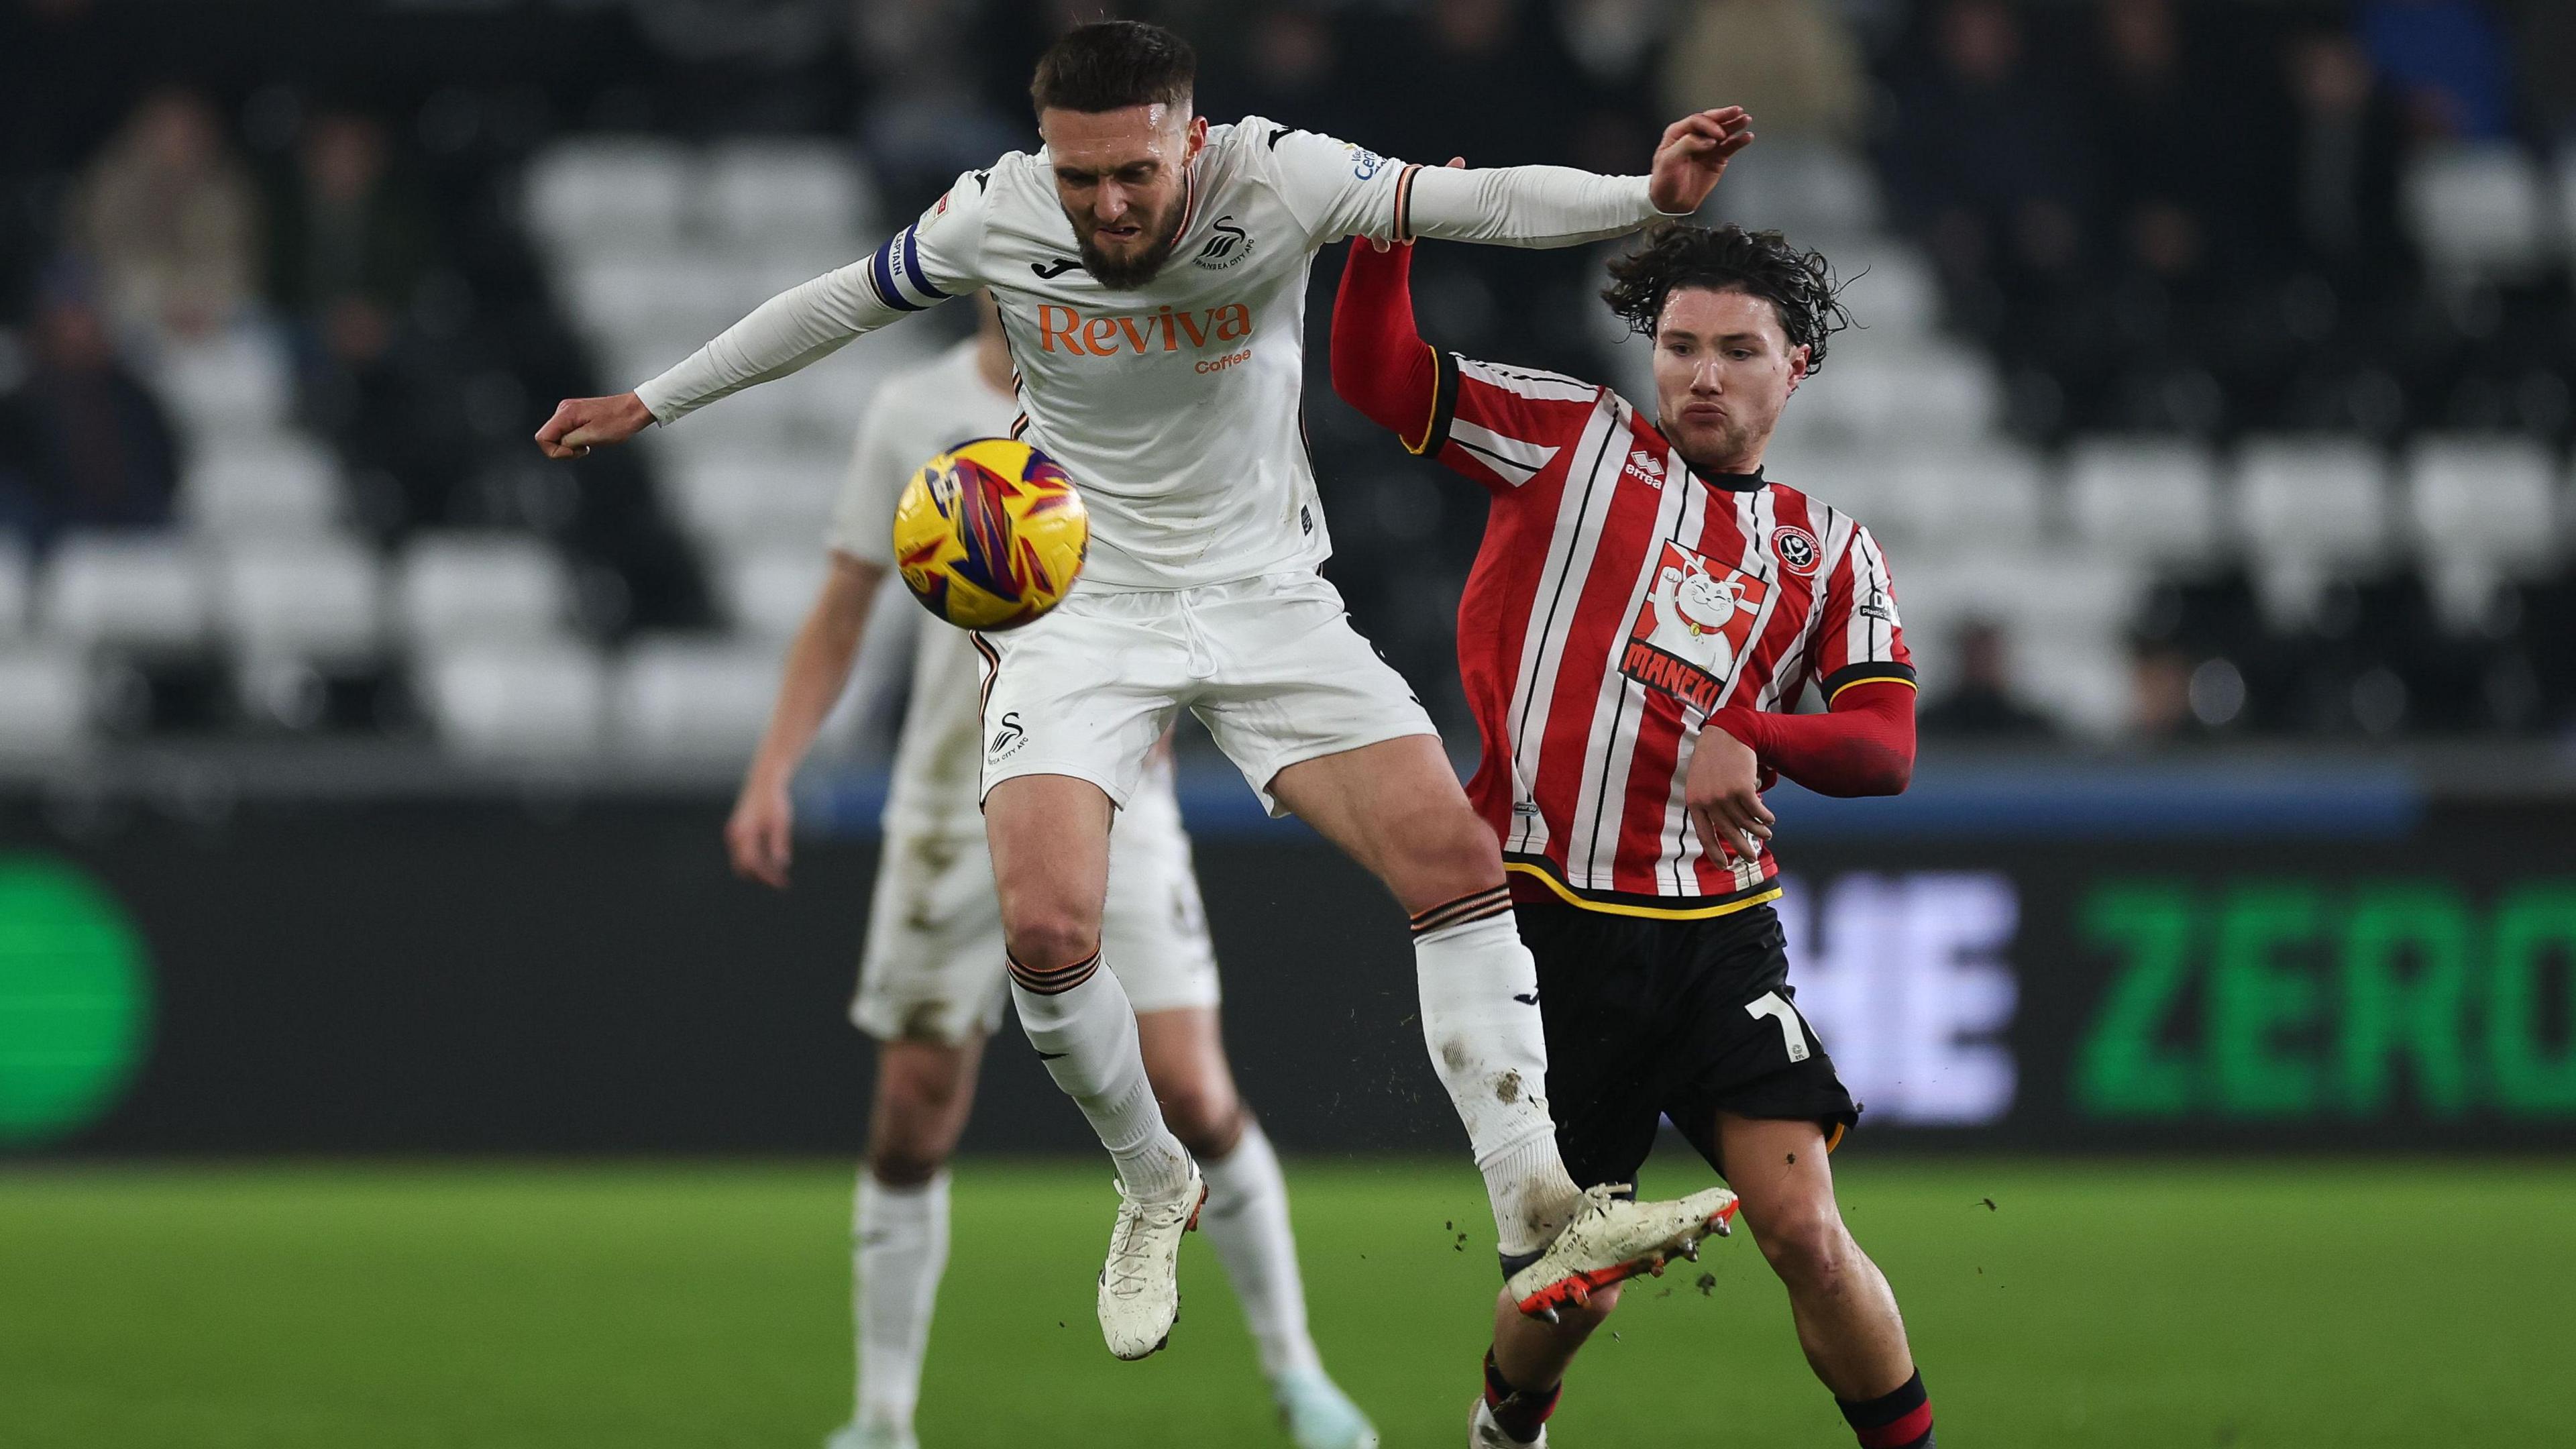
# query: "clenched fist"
{"points": [[583, 423]]}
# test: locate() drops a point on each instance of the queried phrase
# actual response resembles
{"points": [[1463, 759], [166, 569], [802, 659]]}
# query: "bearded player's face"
{"points": [[1123, 177], [1723, 370]]}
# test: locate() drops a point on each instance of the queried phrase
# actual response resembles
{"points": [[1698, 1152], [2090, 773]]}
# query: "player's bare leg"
{"points": [[900, 1228], [1050, 840], [1525, 1368], [1247, 1221], [1396, 807], [1846, 1314]]}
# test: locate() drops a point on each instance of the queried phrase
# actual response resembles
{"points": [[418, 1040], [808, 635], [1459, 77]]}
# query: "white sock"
{"points": [[900, 1249], [1247, 1223], [1079, 1020], [1480, 1018]]}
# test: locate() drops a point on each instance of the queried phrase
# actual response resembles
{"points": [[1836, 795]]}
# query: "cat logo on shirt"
{"points": [[1694, 629]]}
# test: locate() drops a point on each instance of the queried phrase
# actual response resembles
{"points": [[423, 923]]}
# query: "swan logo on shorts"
{"points": [[1007, 740]]}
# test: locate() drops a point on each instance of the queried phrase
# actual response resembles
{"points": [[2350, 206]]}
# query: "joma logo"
{"points": [[1161, 331]]}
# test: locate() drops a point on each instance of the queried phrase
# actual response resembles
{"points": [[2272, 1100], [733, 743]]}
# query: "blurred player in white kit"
{"points": [[1151, 272], [931, 980]]}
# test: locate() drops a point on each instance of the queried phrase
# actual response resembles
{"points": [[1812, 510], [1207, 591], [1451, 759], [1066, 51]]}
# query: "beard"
{"points": [[1126, 274]]}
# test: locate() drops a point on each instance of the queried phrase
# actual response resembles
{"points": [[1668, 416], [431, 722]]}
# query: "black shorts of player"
{"points": [[1650, 1018]]}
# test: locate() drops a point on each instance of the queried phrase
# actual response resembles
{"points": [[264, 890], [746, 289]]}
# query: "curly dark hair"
{"points": [[1799, 285]]}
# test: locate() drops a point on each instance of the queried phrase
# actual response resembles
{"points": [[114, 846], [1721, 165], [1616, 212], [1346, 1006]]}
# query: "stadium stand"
{"points": [[2298, 416]]}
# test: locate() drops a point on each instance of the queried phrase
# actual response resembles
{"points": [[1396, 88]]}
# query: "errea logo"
{"points": [[1645, 467]]}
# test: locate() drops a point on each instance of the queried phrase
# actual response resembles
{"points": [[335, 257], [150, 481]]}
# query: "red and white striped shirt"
{"points": [[1618, 601]]}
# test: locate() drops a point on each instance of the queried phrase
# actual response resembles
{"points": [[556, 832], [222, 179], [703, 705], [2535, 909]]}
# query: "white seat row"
{"points": [[602, 196], [2489, 211], [2502, 502], [262, 485], [672, 700], [321, 597]]}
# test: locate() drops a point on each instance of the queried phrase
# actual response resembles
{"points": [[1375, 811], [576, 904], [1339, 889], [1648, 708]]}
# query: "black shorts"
{"points": [[1648, 1019]]}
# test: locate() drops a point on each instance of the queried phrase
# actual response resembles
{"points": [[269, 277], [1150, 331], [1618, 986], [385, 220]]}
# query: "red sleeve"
{"points": [[1501, 426], [1862, 745]]}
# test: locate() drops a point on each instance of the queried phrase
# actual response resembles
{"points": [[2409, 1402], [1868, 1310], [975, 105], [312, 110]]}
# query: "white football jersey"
{"points": [[1176, 406], [915, 416]]}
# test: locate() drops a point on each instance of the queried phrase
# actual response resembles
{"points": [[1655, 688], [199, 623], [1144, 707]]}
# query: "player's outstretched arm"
{"points": [[759, 835], [1546, 206]]}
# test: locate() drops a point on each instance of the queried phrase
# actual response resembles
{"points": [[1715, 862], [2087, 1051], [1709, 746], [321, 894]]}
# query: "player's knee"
{"points": [[1445, 853], [1592, 1312], [1809, 1248], [1047, 937], [1206, 1116], [905, 1162]]}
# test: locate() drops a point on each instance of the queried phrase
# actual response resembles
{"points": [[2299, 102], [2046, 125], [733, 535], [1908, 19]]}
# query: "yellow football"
{"points": [[990, 534]]}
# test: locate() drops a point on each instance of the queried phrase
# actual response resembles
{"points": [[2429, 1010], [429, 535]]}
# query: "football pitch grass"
{"points": [[641, 1306]]}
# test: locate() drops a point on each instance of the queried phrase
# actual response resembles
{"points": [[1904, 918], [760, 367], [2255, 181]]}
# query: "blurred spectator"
{"points": [[1980, 157], [2338, 165], [2544, 53], [171, 220], [1285, 70], [927, 120], [350, 242], [1467, 76], [1983, 705], [82, 443], [2161, 129], [2449, 59], [1792, 63]]}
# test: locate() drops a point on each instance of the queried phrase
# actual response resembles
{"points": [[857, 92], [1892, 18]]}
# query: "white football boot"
{"points": [[1318, 1415], [1484, 1433], [855, 1435], [1614, 1238], [1140, 1287]]}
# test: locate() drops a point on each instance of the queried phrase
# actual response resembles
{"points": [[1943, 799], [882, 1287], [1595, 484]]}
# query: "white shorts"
{"points": [[933, 969], [1270, 665]]}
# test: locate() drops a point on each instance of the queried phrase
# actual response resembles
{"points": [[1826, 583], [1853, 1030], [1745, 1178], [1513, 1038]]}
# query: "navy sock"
{"points": [[1521, 1414], [1899, 1420]]}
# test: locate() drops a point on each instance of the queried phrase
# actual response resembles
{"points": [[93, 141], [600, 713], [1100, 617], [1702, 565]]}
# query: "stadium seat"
{"points": [[2313, 497], [526, 699], [769, 589], [611, 194], [1872, 391], [1817, 192], [739, 500], [44, 701], [2481, 511], [310, 599], [1991, 496], [690, 699], [2150, 499], [229, 384], [2477, 210], [2064, 618], [143, 591], [1891, 291], [263, 487], [457, 587], [786, 195], [2309, 508], [17, 582]]}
